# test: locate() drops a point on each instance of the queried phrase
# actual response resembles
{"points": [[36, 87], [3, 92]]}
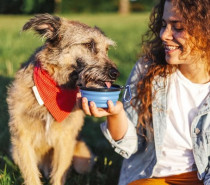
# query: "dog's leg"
{"points": [[24, 156], [62, 158], [83, 159]]}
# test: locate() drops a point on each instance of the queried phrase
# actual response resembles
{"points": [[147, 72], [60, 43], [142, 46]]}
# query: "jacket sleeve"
{"points": [[207, 178], [128, 145]]}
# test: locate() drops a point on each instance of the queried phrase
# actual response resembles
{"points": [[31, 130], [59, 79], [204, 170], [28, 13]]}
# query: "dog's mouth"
{"points": [[106, 84], [97, 78], [99, 84]]}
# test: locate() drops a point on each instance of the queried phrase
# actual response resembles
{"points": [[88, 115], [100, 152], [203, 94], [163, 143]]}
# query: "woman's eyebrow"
{"points": [[172, 21]]}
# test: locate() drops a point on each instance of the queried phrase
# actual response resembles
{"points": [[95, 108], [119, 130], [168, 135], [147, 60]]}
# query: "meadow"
{"points": [[16, 47]]}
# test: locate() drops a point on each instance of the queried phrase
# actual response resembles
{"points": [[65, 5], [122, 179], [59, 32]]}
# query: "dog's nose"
{"points": [[113, 73]]}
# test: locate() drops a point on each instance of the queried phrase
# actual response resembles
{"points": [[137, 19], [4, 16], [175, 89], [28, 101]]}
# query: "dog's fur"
{"points": [[73, 54]]}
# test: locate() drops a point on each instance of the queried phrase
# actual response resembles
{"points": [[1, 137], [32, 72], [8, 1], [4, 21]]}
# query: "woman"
{"points": [[164, 133]]}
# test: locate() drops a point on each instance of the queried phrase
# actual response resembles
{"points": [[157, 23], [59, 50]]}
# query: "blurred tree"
{"points": [[10, 6], [124, 6], [58, 4], [142, 5], [28, 6], [37, 6], [75, 6]]}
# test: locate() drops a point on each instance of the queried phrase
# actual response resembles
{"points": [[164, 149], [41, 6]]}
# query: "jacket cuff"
{"points": [[125, 146]]}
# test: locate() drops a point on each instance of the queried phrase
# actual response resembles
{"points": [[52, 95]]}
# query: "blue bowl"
{"points": [[101, 95]]}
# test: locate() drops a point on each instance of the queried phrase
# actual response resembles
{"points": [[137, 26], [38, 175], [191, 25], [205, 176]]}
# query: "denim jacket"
{"points": [[141, 156]]}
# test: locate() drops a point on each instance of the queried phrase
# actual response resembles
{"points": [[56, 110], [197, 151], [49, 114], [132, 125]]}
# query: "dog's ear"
{"points": [[44, 24]]}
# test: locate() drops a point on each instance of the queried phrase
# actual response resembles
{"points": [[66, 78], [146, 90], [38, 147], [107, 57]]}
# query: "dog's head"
{"points": [[74, 53]]}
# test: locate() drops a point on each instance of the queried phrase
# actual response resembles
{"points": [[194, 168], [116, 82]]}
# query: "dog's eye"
{"points": [[90, 46]]}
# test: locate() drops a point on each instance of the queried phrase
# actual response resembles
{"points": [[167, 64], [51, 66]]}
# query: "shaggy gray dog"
{"points": [[44, 117]]}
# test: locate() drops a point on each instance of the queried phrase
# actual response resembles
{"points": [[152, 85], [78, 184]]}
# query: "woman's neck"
{"points": [[196, 72]]}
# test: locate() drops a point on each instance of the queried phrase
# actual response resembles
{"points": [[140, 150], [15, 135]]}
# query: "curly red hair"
{"points": [[196, 22]]}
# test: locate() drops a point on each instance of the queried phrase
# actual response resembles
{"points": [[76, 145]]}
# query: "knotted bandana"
{"points": [[57, 100]]}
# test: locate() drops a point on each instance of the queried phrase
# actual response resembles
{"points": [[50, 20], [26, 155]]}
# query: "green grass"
{"points": [[17, 46]]}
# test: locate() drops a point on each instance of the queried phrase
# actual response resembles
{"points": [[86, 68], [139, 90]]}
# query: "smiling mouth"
{"points": [[171, 48]]}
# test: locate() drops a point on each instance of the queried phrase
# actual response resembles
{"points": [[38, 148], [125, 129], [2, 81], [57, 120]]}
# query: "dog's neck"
{"points": [[57, 100]]}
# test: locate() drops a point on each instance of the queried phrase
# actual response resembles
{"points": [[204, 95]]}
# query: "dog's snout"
{"points": [[113, 73]]}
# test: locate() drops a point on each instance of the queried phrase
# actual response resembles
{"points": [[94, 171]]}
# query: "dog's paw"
{"points": [[83, 159]]}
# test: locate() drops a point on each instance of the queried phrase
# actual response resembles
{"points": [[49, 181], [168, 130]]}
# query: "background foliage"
{"points": [[16, 47], [69, 6], [89, 6]]}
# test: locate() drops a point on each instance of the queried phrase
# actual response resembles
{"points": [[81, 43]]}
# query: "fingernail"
{"points": [[83, 100], [91, 104], [110, 103], [78, 95]]}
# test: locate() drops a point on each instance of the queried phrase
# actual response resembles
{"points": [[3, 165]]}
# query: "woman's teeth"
{"points": [[171, 47]]}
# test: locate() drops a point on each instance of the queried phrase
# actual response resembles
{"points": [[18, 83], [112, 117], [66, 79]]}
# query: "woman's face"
{"points": [[173, 36]]}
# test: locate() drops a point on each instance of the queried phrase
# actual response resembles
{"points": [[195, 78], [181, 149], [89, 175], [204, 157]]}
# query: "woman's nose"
{"points": [[166, 33]]}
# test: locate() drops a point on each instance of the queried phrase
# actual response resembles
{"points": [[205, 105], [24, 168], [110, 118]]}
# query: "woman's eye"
{"points": [[179, 28]]}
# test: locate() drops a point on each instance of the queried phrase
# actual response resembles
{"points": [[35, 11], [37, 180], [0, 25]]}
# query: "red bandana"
{"points": [[57, 100]]}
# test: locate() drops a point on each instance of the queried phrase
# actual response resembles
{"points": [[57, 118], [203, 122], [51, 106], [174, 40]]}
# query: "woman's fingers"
{"points": [[110, 106], [97, 112], [114, 109], [92, 110], [79, 100], [85, 106]]}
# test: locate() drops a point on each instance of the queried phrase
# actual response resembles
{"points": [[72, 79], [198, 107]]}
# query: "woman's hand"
{"points": [[116, 117], [92, 110]]}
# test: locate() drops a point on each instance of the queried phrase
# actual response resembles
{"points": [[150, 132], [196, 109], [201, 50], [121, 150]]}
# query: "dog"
{"points": [[45, 119]]}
